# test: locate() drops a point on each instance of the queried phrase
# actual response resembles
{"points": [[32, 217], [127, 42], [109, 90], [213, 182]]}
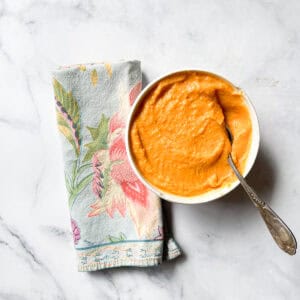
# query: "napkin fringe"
{"points": [[126, 254], [147, 262]]}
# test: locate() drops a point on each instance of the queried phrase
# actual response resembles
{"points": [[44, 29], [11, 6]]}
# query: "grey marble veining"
{"points": [[228, 252]]}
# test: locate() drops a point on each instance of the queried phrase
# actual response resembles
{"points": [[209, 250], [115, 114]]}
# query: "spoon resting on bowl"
{"points": [[280, 232]]}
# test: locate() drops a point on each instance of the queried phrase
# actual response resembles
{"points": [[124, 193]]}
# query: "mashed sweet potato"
{"points": [[178, 138]]}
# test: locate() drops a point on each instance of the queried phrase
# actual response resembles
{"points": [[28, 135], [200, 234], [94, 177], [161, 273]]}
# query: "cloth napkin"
{"points": [[115, 220]]}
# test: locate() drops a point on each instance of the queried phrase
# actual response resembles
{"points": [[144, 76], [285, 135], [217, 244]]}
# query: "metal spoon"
{"points": [[280, 232]]}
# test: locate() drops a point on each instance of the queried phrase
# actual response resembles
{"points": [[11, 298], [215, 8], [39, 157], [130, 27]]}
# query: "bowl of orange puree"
{"points": [[176, 137]]}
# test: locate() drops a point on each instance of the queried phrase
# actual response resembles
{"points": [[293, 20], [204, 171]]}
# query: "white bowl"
{"points": [[211, 195]]}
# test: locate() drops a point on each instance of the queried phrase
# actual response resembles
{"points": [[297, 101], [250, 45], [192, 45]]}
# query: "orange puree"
{"points": [[178, 138]]}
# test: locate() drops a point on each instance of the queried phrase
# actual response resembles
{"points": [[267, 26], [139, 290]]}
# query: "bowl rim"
{"points": [[211, 195]]}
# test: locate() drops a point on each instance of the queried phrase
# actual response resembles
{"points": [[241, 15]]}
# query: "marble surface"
{"points": [[228, 252]]}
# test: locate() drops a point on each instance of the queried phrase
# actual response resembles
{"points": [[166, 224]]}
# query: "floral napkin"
{"points": [[115, 220]]}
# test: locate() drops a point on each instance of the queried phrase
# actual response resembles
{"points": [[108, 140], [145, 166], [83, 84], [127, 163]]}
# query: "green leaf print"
{"points": [[68, 117], [114, 239], [76, 183], [79, 188], [99, 136]]}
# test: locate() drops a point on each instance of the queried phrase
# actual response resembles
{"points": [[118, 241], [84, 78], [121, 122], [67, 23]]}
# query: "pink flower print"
{"points": [[124, 192], [116, 122], [134, 92], [97, 184], [117, 150], [75, 231], [118, 203], [136, 191], [114, 198], [124, 175], [113, 201], [130, 184], [96, 209]]}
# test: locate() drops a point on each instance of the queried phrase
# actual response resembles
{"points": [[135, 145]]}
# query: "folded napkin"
{"points": [[115, 220]]}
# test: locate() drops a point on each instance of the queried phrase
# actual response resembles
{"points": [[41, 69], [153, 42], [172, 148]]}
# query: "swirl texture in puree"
{"points": [[178, 138]]}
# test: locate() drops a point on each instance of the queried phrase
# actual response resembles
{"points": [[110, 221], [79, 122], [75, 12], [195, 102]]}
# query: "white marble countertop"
{"points": [[228, 252]]}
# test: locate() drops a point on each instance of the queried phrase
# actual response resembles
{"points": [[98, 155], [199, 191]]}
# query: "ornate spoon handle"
{"points": [[280, 232]]}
